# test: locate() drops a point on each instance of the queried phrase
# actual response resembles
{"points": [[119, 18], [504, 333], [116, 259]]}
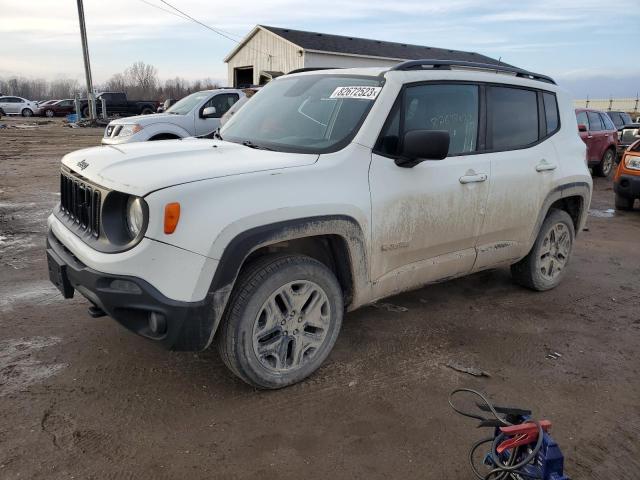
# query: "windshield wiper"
{"points": [[250, 144]]}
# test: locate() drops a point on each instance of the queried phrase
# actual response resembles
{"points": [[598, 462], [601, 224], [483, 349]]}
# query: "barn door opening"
{"points": [[243, 77]]}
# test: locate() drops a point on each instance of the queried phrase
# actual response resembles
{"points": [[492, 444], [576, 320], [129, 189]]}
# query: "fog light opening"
{"points": [[157, 323]]}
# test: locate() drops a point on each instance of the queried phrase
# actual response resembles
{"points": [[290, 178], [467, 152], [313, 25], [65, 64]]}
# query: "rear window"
{"points": [[513, 117]]}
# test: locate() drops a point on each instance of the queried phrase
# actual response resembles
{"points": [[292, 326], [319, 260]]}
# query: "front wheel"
{"points": [[545, 265], [282, 321], [49, 113], [27, 112], [603, 169]]}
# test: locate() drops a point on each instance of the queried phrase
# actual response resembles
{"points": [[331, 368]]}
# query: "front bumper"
{"points": [[131, 301], [627, 186]]}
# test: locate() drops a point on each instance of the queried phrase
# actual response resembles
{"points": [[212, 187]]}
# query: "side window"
{"points": [[582, 119], [551, 112], [513, 117], [222, 102], [595, 122], [616, 118], [454, 108], [608, 124]]}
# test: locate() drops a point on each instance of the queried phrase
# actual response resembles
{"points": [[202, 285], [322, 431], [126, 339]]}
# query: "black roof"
{"points": [[374, 48]]}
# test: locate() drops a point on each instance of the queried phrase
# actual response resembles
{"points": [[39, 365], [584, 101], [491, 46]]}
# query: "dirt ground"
{"points": [[83, 398]]}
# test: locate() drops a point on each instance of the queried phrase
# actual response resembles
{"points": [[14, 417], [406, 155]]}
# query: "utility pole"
{"points": [[87, 64]]}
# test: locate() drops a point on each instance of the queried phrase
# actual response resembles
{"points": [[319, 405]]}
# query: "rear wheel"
{"points": [[545, 265], [623, 203], [603, 169], [282, 320], [85, 112], [146, 111], [27, 112]]}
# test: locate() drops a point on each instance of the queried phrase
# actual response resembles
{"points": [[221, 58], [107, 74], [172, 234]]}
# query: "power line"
{"points": [[222, 33], [170, 12]]}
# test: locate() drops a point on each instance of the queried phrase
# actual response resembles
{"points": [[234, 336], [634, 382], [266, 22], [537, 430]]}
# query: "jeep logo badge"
{"points": [[83, 164]]}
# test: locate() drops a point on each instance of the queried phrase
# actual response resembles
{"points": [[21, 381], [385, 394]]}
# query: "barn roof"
{"points": [[323, 42]]}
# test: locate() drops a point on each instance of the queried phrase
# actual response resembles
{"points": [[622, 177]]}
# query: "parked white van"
{"points": [[196, 114], [328, 191]]}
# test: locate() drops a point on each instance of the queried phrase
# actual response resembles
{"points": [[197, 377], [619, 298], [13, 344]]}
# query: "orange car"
{"points": [[626, 182]]}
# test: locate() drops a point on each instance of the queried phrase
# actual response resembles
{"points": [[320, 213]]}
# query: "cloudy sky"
{"points": [[589, 46]]}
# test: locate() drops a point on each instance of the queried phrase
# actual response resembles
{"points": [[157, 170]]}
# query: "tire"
{"points": [[146, 111], [623, 203], [49, 113], [604, 168], [85, 112], [270, 340], [545, 265], [2, 113], [27, 112]]}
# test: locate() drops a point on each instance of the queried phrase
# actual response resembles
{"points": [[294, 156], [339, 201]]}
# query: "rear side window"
{"points": [[551, 112], [595, 122], [454, 108], [513, 117]]}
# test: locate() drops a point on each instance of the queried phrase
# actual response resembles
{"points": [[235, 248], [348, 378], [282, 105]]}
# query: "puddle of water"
{"points": [[15, 249], [34, 293], [608, 213], [19, 368]]}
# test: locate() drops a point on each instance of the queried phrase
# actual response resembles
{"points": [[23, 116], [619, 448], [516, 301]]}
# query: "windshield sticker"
{"points": [[364, 93]]}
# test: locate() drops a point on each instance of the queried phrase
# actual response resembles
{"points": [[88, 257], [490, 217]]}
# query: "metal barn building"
{"points": [[268, 52]]}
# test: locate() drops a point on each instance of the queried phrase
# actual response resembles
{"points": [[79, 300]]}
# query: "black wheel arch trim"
{"points": [[241, 246], [581, 189]]}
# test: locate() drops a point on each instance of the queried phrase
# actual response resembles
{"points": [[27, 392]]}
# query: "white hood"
{"points": [[152, 118], [141, 168]]}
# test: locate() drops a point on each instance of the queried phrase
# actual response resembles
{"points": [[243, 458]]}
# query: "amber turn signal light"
{"points": [[171, 217]]}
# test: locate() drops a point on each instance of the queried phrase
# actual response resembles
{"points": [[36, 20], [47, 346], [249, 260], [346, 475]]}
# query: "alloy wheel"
{"points": [[291, 326], [554, 251], [607, 163]]}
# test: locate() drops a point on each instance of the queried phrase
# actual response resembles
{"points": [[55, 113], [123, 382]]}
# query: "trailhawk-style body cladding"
{"points": [[380, 224]]}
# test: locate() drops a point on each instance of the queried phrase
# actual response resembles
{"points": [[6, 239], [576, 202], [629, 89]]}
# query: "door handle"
{"points": [[545, 166], [479, 177]]}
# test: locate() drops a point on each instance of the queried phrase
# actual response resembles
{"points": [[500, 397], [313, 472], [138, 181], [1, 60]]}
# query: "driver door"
{"points": [[426, 219], [222, 102]]}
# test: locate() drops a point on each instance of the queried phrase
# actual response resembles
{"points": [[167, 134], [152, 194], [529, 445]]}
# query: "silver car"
{"points": [[18, 106]]}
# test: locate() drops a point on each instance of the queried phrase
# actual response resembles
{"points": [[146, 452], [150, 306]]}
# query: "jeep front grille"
{"points": [[81, 203]]}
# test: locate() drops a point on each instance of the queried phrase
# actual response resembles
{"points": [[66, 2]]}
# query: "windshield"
{"points": [[187, 104], [306, 114]]}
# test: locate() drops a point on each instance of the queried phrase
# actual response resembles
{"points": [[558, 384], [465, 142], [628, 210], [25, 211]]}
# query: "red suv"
{"points": [[601, 136]]}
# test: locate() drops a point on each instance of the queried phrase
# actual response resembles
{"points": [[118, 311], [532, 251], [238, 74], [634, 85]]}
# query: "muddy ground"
{"points": [[83, 398]]}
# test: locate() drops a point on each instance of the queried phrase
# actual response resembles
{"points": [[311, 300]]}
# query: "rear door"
{"points": [[524, 169]]}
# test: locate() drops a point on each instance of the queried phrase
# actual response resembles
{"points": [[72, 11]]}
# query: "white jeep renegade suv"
{"points": [[329, 190]]}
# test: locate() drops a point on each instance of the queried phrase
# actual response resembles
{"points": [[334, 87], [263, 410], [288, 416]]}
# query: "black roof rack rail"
{"points": [[447, 64]]}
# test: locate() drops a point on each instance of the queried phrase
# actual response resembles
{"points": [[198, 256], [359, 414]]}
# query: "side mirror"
{"points": [[209, 112], [582, 127], [420, 145]]}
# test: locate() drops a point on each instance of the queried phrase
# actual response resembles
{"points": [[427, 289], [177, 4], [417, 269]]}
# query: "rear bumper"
{"points": [[131, 301], [627, 186]]}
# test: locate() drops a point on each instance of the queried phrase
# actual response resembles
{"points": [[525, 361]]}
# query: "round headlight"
{"points": [[135, 216]]}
